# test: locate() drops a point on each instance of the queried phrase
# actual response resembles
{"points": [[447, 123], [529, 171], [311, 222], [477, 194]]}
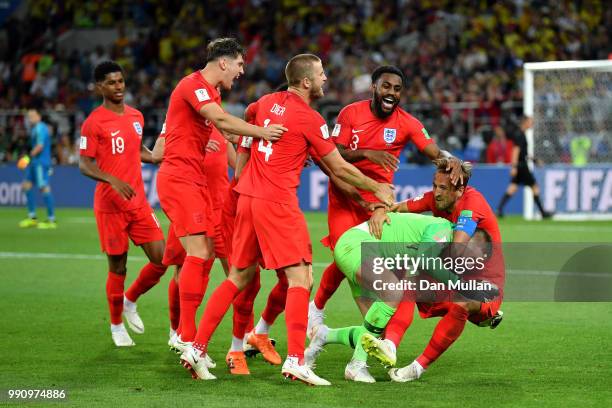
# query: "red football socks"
{"points": [[114, 295], [330, 282], [192, 286], [400, 322], [174, 305], [446, 332], [276, 299], [243, 307], [296, 318], [149, 275], [216, 307]]}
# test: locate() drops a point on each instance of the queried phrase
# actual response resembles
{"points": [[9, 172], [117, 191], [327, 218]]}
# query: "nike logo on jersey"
{"points": [[113, 134], [357, 131]]}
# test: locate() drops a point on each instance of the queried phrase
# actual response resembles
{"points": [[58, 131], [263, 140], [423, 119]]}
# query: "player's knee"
{"points": [[118, 269], [470, 306], [240, 278]]}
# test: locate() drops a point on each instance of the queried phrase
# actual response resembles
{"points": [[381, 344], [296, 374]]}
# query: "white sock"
{"points": [[314, 306], [237, 344], [262, 327], [117, 327], [128, 304], [172, 332], [419, 368]]}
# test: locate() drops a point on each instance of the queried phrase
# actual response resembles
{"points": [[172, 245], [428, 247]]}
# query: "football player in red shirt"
{"points": [[111, 151], [371, 134], [194, 108], [270, 228], [468, 209], [220, 154]]}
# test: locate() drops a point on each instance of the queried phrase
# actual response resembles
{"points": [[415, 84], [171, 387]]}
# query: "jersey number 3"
{"points": [[263, 146], [117, 145]]}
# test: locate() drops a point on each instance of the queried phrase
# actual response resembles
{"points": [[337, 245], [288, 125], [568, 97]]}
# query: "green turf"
{"points": [[55, 335]]}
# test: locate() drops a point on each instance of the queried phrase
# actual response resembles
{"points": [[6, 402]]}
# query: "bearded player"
{"points": [[269, 224], [468, 210], [111, 152], [371, 134]]}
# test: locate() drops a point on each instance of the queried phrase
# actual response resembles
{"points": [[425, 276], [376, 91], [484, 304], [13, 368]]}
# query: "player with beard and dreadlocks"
{"points": [[371, 134]]}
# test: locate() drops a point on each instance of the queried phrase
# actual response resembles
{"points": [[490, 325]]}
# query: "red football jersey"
{"points": [[358, 128], [215, 166], [114, 141], [471, 200], [273, 172], [186, 131]]}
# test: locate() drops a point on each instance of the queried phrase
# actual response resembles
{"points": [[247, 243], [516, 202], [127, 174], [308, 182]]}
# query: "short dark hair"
{"points": [[388, 69], [223, 47], [104, 68], [300, 67]]}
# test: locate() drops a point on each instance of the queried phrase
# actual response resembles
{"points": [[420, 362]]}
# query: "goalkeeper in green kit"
{"points": [[383, 271]]}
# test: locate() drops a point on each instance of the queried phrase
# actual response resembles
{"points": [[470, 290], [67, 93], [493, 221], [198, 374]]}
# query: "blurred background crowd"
{"points": [[463, 58]]}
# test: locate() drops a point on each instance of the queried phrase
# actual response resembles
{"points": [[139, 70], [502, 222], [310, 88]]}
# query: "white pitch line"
{"points": [[139, 258]]}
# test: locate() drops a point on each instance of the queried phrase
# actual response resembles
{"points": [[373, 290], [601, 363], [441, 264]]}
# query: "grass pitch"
{"points": [[56, 335]]}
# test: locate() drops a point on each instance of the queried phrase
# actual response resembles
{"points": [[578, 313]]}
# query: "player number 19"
{"points": [[117, 145], [263, 146]]}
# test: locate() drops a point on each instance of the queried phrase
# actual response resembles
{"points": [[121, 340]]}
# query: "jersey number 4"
{"points": [[263, 146], [117, 145]]}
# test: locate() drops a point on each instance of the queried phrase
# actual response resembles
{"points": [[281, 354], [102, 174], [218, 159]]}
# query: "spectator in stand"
{"points": [[500, 148]]}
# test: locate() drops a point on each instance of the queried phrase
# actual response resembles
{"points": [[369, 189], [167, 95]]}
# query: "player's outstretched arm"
{"points": [[388, 161], [158, 149], [231, 124], [146, 155], [433, 152], [346, 189], [231, 156], [351, 175], [89, 168]]}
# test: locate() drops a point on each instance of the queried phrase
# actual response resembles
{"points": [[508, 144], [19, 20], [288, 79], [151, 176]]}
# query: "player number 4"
{"points": [[117, 145], [263, 146]]}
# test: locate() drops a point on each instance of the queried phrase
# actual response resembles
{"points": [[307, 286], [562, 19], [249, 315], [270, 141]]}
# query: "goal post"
{"points": [[571, 106]]}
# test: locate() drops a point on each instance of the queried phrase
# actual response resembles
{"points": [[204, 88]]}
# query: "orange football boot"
{"points": [[262, 343], [236, 362]]}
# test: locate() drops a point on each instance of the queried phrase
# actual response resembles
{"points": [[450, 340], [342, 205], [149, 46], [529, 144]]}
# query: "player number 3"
{"points": [[117, 145], [263, 146]]}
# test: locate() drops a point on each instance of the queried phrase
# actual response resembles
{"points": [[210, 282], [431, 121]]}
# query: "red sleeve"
{"points": [[250, 112], [418, 134], [342, 129], [476, 205], [421, 203], [198, 95], [317, 134], [89, 139]]}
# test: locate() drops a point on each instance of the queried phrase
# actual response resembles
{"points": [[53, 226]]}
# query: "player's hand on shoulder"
{"points": [[122, 188], [384, 193], [213, 146], [376, 221], [388, 161], [273, 132]]}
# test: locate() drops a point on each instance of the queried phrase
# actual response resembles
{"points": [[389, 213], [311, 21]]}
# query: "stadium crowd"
{"points": [[451, 51]]}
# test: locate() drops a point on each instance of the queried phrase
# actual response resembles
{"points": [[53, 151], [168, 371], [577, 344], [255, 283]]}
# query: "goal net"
{"points": [[571, 106]]}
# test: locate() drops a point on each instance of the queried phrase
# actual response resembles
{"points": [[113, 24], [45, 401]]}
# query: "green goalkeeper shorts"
{"points": [[347, 255]]}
